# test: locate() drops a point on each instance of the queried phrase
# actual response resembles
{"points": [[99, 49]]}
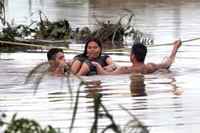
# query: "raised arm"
{"points": [[168, 61]]}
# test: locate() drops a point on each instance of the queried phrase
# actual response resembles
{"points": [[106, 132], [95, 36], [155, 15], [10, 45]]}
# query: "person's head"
{"points": [[138, 52], [55, 54], [93, 48]]}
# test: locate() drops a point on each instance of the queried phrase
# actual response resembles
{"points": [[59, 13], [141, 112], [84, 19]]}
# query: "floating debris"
{"points": [[112, 35]]}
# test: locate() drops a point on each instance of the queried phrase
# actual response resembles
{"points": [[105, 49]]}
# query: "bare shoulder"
{"points": [[151, 67]]}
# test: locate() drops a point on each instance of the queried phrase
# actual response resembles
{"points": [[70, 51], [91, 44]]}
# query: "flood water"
{"points": [[169, 101]]}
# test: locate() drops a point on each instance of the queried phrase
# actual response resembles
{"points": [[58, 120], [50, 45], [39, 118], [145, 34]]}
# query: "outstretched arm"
{"points": [[119, 70], [167, 63]]}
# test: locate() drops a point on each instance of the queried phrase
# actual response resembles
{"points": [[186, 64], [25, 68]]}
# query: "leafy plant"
{"points": [[24, 125]]}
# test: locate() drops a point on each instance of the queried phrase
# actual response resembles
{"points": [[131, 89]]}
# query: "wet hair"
{"points": [[139, 50], [52, 52], [97, 41]]}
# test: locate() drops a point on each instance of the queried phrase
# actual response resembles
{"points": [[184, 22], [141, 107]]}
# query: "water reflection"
{"points": [[137, 85], [175, 89], [93, 87], [57, 96]]}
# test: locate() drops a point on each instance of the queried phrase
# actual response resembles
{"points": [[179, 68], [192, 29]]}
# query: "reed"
{"points": [[134, 125]]}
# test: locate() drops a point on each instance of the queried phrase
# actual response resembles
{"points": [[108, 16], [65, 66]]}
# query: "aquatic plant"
{"points": [[113, 124], [36, 75], [24, 125], [134, 125]]}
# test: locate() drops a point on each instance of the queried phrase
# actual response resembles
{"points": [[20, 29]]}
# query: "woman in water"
{"points": [[93, 52]]}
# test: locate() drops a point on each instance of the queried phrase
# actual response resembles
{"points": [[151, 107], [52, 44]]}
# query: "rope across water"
{"points": [[67, 49]]}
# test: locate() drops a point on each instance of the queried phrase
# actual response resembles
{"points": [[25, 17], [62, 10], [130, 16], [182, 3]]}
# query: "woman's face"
{"points": [[93, 50]]}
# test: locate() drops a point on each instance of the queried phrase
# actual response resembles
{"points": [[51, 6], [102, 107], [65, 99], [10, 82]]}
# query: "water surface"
{"points": [[169, 102]]}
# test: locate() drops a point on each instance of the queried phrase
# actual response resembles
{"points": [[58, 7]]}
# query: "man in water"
{"points": [[58, 64], [137, 58]]}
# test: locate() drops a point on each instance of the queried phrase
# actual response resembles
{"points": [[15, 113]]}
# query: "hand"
{"points": [[177, 44], [99, 68], [95, 63], [110, 67]]}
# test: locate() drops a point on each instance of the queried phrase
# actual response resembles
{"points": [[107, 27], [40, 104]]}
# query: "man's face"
{"points": [[60, 58]]}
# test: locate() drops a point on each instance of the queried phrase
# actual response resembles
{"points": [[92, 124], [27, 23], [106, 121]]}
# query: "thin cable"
{"points": [[108, 50]]}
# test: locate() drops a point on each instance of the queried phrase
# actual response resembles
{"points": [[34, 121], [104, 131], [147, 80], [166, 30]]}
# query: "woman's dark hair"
{"points": [[92, 40], [52, 52], [139, 50]]}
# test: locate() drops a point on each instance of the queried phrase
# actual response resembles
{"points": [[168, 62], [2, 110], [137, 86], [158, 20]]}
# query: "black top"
{"points": [[101, 60]]}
